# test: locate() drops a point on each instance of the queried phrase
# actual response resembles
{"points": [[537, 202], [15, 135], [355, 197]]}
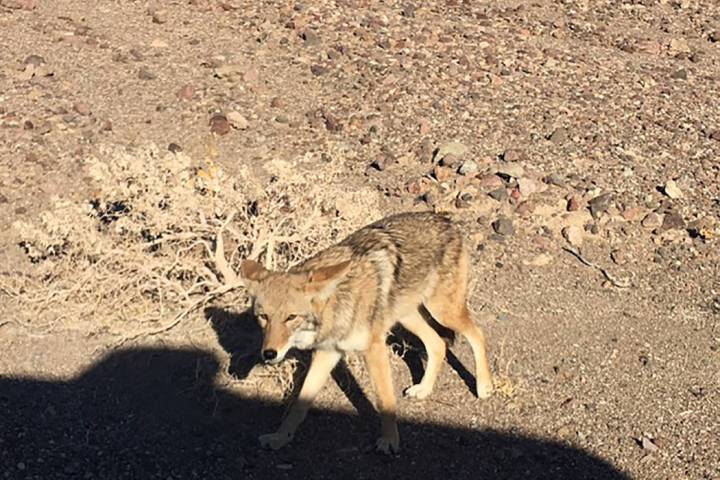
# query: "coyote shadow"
{"points": [[159, 413]]}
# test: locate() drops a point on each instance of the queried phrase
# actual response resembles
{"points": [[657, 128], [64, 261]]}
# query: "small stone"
{"points": [[715, 135], [35, 60], [468, 167], [443, 174], [574, 235], [560, 135], [175, 148], [418, 186], [107, 126], [652, 220], [187, 92], [555, 179], [82, 108], [318, 70], [633, 214], [219, 125], [499, 194], [672, 190], [383, 162], [490, 182], [527, 186], [511, 170], [21, 466], [525, 209], [503, 226], [237, 120], [619, 256], [450, 148], [277, 102], [600, 204], [574, 203], [512, 155], [648, 444], [714, 36], [540, 260], [408, 10], [332, 124], [681, 74], [449, 160], [145, 74], [673, 221], [159, 17], [310, 37]]}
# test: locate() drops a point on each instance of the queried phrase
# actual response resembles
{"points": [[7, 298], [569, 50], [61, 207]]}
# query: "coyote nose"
{"points": [[269, 354]]}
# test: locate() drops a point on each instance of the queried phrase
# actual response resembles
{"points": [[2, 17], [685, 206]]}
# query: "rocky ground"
{"points": [[577, 142]]}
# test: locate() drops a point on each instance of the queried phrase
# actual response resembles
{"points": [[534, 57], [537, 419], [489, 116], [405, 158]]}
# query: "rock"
{"points": [[527, 187], [159, 17], [383, 162], [560, 135], [145, 74], [672, 190], [652, 220], [574, 203], [35, 60], [490, 182], [219, 124], [525, 209], [499, 194], [277, 102], [175, 148], [468, 167], [574, 235], [681, 74], [107, 126], [237, 120], [503, 226], [418, 186], [673, 221], [332, 124], [600, 204], [715, 135], [318, 70], [187, 92], [619, 256], [648, 444], [633, 214], [19, 4], [449, 160], [511, 170], [512, 155], [555, 179], [456, 149], [443, 174], [310, 38], [540, 260], [678, 46], [82, 108]]}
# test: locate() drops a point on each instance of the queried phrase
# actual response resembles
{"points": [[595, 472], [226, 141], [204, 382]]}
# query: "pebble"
{"points": [[681, 74], [450, 148], [511, 170], [175, 148], [632, 214], [468, 167], [574, 203], [418, 186], [490, 182], [159, 17], [512, 155], [219, 124], [560, 135], [318, 70], [499, 194], [82, 108], [573, 234], [555, 179], [527, 186], [35, 60], [600, 204], [442, 174], [237, 120], [277, 102], [145, 74], [652, 220], [187, 92], [672, 190], [503, 226], [673, 221]]}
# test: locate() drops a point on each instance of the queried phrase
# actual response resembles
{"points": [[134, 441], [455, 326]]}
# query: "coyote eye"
{"points": [[262, 319], [291, 318]]}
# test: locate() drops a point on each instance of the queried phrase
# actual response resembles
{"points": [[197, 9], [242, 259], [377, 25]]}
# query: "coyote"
{"points": [[347, 297]]}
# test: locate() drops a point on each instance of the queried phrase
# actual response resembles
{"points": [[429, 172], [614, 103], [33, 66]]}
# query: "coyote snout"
{"points": [[347, 298]]}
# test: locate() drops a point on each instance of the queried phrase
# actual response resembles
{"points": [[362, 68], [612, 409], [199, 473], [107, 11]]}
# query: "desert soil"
{"points": [[576, 141]]}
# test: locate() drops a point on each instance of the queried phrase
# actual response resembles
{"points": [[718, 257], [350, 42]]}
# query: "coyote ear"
{"points": [[323, 280], [253, 271]]}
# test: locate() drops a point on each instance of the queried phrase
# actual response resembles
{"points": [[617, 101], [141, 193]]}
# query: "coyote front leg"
{"points": [[378, 364], [322, 365]]}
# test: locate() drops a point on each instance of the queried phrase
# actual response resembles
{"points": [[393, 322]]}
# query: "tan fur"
{"points": [[347, 297]]}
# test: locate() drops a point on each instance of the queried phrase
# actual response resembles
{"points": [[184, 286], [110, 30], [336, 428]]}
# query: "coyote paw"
{"points": [[387, 445], [484, 391], [418, 391], [275, 441]]}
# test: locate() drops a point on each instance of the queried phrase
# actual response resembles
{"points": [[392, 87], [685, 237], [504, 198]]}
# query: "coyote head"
{"points": [[288, 306]]}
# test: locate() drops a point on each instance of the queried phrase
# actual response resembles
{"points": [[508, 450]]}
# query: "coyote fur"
{"points": [[347, 298]]}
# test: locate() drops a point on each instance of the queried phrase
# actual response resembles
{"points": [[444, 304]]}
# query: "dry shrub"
{"points": [[163, 235]]}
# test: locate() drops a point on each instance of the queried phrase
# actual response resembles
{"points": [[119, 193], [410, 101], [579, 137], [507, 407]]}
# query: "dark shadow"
{"points": [[238, 334], [158, 413]]}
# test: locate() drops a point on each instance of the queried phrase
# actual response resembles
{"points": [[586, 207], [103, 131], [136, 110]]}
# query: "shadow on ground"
{"points": [[157, 413]]}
